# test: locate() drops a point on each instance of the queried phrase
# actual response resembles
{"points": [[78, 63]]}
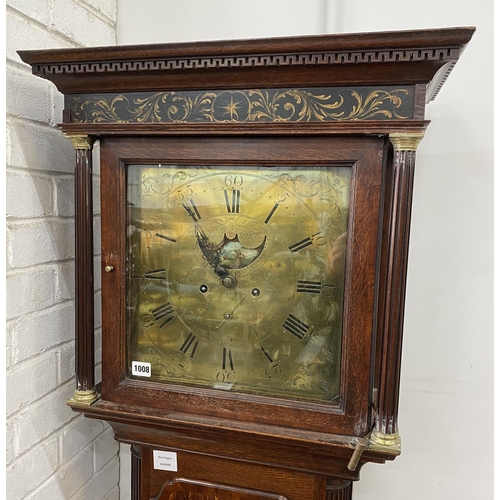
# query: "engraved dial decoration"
{"points": [[236, 277]]}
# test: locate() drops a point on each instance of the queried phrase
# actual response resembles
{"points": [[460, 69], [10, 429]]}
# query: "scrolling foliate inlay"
{"points": [[240, 106]]}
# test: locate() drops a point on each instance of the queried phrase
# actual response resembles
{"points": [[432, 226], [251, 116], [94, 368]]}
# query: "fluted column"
{"points": [[136, 459], [396, 241], [339, 490], [85, 392]]}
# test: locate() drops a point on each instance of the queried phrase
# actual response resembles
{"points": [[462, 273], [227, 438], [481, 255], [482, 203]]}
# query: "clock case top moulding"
{"points": [[356, 85]]}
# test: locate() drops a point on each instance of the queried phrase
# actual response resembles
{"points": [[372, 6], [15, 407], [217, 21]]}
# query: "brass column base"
{"points": [[386, 443], [83, 398]]}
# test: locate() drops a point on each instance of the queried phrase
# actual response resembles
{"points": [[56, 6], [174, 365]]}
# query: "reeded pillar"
{"points": [[135, 466], [395, 245], [339, 490], [85, 393]]}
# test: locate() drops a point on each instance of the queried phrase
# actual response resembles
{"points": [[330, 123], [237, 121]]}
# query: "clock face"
{"points": [[236, 277]]}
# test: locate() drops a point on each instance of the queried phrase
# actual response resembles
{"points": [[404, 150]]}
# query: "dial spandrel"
{"points": [[236, 276]]}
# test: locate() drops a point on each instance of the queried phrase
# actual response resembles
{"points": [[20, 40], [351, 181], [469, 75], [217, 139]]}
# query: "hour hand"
{"points": [[211, 251], [212, 254]]}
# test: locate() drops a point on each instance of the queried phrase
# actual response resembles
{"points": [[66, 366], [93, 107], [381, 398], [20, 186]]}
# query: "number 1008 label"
{"points": [[141, 369]]}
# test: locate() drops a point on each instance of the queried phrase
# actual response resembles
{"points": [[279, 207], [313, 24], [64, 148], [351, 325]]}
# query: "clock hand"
{"points": [[209, 250], [229, 315]]}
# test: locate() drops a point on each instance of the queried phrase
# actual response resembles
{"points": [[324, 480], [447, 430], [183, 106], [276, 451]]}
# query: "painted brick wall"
{"points": [[52, 453]]}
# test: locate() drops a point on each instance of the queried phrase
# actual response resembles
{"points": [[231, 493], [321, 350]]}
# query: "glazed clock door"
{"points": [[236, 277], [230, 285]]}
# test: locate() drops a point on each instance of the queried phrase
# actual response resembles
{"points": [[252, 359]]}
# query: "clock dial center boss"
{"points": [[236, 276]]}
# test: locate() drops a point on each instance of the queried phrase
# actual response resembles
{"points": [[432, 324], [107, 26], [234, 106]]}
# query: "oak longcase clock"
{"points": [[255, 207]]}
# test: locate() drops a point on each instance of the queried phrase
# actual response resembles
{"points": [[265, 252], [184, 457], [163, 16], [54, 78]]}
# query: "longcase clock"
{"points": [[256, 199]]}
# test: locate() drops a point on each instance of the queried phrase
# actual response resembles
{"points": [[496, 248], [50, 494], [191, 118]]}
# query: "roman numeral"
{"points": [[191, 343], [271, 213], [295, 326], [232, 197], [163, 314], [227, 359], [304, 286], [191, 210], [155, 274], [165, 237], [300, 245], [267, 355]]}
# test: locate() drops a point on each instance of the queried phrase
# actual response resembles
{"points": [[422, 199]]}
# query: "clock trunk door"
{"points": [[231, 293]]}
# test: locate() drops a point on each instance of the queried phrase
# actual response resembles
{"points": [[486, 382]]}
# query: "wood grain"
{"points": [[365, 158], [242, 446]]}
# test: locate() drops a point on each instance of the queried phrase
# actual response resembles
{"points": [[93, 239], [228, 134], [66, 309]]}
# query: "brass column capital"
{"points": [[80, 141], [406, 141]]}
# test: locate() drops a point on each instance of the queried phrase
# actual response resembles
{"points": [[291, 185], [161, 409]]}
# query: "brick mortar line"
{"points": [[97, 13], [14, 320], [59, 384], [34, 314], [31, 266], [56, 433], [39, 312], [89, 8], [47, 174], [31, 403], [15, 414], [51, 28], [19, 66], [15, 222], [44, 265], [50, 125], [50, 352], [45, 354], [114, 493], [34, 221], [54, 175], [117, 456], [13, 120]]}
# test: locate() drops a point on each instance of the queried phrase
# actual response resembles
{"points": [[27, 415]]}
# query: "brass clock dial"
{"points": [[235, 277]]}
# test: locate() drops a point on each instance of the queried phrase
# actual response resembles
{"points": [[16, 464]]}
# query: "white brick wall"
{"points": [[52, 452]]}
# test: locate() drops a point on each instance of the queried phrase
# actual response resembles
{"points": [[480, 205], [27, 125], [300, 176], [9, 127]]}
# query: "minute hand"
{"points": [[230, 314]]}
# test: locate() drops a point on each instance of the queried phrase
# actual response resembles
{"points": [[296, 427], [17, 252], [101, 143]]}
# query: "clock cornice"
{"points": [[402, 57]]}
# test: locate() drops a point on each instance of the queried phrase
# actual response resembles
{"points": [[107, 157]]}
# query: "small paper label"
{"points": [[165, 460], [141, 369], [223, 385]]}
